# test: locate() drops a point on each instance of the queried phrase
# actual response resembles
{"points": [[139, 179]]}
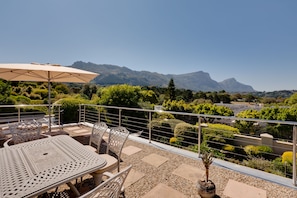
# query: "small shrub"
{"points": [[166, 125], [260, 151], [164, 115], [229, 147], [70, 107], [193, 148], [21, 99], [287, 157], [186, 131], [34, 96], [264, 149], [251, 150], [176, 141], [219, 133], [42, 92], [257, 163], [173, 140]]}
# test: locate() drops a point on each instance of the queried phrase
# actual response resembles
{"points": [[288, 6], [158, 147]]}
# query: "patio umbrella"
{"points": [[44, 73]]}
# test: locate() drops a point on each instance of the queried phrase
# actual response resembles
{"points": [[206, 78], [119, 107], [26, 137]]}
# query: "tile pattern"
{"points": [[155, 159], [238, 189], [133, 177], [162, 191], [189, 172], [130, 150], [233, 188]]}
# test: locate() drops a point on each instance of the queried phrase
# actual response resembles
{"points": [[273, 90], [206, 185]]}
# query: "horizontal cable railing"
{"points": [[252, 146], [17, 113], [194, 132]]}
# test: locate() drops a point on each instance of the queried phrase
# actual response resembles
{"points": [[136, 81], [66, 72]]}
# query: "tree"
{"points": [[89, 90], [62, 88], [5, 89], [292, 99], [120, 95], [149, 96], [171, 90], [211, 109]]}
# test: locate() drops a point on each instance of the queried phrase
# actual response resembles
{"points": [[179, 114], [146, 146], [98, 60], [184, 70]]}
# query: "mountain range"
{"points": [[195, 81]]}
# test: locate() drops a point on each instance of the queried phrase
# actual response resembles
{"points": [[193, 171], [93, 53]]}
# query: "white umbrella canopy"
{"points": [[44, 73]]}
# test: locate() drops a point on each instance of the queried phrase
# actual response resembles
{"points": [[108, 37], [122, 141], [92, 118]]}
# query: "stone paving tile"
{"points": [[155, 160], [80, 131], [235, 189], [77, 131], [189, 172], [133, 177], [130, 150], [73, 128], [162, 191]]}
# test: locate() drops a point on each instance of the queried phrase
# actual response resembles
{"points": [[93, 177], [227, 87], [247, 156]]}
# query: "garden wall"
{"points": [[277, 146]]}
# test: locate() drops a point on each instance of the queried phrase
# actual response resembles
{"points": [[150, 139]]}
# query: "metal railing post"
{"points": [[19, 114], [99, 114], [294, 155], [120, 116], [79, 113], [150, 126], [84, 113], [59, 115], [199, 135]]}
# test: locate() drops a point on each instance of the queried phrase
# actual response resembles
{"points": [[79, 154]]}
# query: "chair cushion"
{"points": [[111, 164]]}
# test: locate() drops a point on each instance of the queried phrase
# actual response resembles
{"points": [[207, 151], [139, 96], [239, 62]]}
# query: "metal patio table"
{"points": [[32, 168]]}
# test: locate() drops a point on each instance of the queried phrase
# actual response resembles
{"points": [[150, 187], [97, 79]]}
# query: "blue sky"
{"points": [[254, 41]]}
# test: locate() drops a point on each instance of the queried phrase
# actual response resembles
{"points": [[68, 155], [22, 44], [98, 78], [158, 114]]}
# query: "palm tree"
{"points": [[207, 161], [206, 188]]}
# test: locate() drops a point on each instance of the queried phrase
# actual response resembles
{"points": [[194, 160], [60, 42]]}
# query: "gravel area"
{"points": [[163, 174]]}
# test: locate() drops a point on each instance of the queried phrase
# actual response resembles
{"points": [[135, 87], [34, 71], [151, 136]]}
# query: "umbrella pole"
{"points": [[49, 105]]}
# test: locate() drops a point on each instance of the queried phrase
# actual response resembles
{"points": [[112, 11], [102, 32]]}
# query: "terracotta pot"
{"points": [[206, 189]]}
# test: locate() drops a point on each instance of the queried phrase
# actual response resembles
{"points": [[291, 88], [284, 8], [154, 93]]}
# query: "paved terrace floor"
{"points": [[170, 172], [167, 172]]}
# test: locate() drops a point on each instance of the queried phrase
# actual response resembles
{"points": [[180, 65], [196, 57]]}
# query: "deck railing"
{"points": [[17, 113], [144, 123], [156, 125]]}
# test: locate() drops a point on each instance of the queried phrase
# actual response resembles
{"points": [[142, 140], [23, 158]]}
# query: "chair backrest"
{"points": [[99, 128], [111, 188], [116, 140], [25, 131]]}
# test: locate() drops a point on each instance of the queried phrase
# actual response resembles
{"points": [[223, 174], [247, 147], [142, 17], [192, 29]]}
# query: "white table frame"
{"points": [[32, 168]]}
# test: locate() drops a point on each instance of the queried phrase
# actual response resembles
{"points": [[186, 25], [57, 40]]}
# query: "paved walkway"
{"points": [[156, 172]]}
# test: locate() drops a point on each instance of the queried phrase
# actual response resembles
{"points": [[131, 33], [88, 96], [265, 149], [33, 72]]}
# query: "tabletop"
{"points": [[31, 168]]}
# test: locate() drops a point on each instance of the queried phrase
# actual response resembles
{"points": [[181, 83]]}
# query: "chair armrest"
{"points": [[108, 174], [5, 144], [45, 135]]}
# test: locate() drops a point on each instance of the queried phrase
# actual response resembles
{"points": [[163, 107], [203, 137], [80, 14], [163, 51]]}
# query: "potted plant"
{"points": [[206, 188]]}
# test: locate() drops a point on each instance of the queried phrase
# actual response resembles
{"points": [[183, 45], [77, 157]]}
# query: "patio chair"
{"points": [[24, 131], [116, 141], [110, 188], [98, 131]]}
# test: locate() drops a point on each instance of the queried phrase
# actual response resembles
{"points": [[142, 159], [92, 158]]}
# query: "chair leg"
{"points": [[122, 195]]}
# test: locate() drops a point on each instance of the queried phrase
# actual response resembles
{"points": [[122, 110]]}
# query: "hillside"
{"points": [[196, 81]]}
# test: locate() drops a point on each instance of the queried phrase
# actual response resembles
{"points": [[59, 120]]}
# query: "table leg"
{"points": [[73, 189]]}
